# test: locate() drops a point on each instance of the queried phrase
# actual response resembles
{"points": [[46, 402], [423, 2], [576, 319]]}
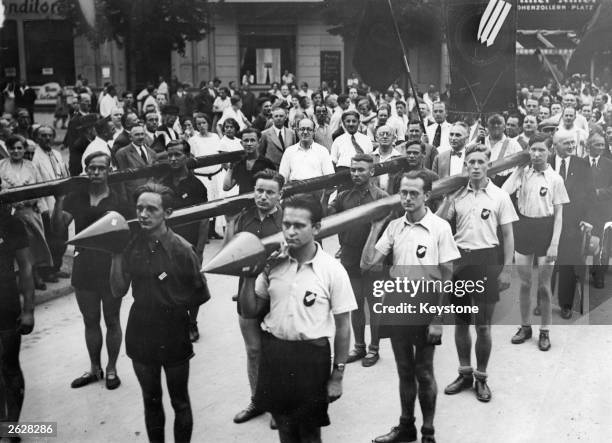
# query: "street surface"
{"points": [[564, 395]]}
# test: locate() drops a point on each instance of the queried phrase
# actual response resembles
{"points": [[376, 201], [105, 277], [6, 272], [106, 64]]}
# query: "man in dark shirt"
{"points": [[264, 118], [243, 172], [188, 191], [263, 219], [166, 282], [14, 321], [90, 272], [352, 242]]}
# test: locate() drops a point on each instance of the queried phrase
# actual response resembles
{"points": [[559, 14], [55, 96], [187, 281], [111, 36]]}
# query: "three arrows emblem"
{"points": [[492, 20]]}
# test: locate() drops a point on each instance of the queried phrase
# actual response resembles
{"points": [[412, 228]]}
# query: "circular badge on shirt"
{"points": [[309, 298], [485, 214], [420, 251]]}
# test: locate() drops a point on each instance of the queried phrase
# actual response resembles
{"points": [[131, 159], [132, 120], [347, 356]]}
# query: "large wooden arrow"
{"points": [[65, 185], [246, 249]]}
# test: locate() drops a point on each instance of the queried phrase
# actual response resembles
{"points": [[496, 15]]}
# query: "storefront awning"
{"points": [[546, 42]]}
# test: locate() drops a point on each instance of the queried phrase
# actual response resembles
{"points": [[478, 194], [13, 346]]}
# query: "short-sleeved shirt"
{"points": [[538, 191], [244, 177], [304, 299], [188, 192], [478, 213], [354, 239], [248, 221], [343, 149], [513, 147], [298, 163], [13, 237], [165, 273], [91, 269], [418, 248]]}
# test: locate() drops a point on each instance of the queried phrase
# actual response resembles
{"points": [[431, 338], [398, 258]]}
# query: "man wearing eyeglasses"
{"points": [[305, 159]]}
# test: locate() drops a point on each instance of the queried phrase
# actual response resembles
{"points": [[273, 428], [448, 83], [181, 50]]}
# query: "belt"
{"points": [[470, 251]]}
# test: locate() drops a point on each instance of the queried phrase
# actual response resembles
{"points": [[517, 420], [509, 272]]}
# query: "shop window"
{"points": [[9, 51], [49, 48]]}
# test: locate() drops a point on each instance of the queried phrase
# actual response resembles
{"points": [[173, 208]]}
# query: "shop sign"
{"points": [[32, 9], [47, 71], [555, 14]]}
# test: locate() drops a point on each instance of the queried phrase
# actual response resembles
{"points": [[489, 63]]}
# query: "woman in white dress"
{"points": [[229, 143]]}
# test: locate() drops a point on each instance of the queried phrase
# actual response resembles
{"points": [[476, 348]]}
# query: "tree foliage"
{"points": [[419, 20]]}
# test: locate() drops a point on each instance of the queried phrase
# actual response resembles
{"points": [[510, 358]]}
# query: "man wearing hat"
{"points": [[167, 130], [86, 135]]}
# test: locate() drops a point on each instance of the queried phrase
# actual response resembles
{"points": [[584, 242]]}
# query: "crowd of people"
{"points": [[525, 215]]}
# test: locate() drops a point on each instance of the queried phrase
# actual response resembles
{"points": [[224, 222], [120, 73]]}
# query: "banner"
{"points": [[481, 44], [378, 57]]}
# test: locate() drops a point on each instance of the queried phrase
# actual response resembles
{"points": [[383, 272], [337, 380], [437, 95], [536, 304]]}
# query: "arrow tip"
{"points": [[244, 250]]}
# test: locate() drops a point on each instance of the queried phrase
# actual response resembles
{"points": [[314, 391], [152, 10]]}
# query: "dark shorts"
{"points": [[533, 235], [158, 336], [293, 378], [480, 267]]}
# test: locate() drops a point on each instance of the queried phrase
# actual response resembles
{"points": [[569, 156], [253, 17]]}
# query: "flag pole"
{"points": [[407, 66]]}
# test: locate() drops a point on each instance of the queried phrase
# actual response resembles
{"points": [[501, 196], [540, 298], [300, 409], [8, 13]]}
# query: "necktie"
{"points": [[594, 163], [437, 137], [563, 170], [143, 155], [280, 137], [54, 164], [358, 149]]}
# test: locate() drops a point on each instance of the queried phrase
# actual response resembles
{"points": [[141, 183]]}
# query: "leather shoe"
{"points": [[112, 381], [427, 435], [566, 313], [461, 383], [524, 333], [370, 359], [398, 434], [483, 393], [247, 413], [536, 311], [86, 379], [544, 341], [356, 354]]}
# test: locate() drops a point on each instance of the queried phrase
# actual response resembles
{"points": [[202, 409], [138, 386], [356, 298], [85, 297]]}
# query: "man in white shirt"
{"points": [[104, 133], [570, 101], [439, 131], [500, 145], [108, 102], [305, 159], [352, 142], [569, 121]]}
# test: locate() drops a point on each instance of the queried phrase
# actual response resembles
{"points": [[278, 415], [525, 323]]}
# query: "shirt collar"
{"points": [[594, 158], [424, 222], [468, 188], [314, 260], [394, 153]]}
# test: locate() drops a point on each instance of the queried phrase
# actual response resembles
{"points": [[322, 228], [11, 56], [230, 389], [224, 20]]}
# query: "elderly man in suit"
{"points": [[135, 155], [601, 169], [277, 138], [452, 162], [578, 180]]}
